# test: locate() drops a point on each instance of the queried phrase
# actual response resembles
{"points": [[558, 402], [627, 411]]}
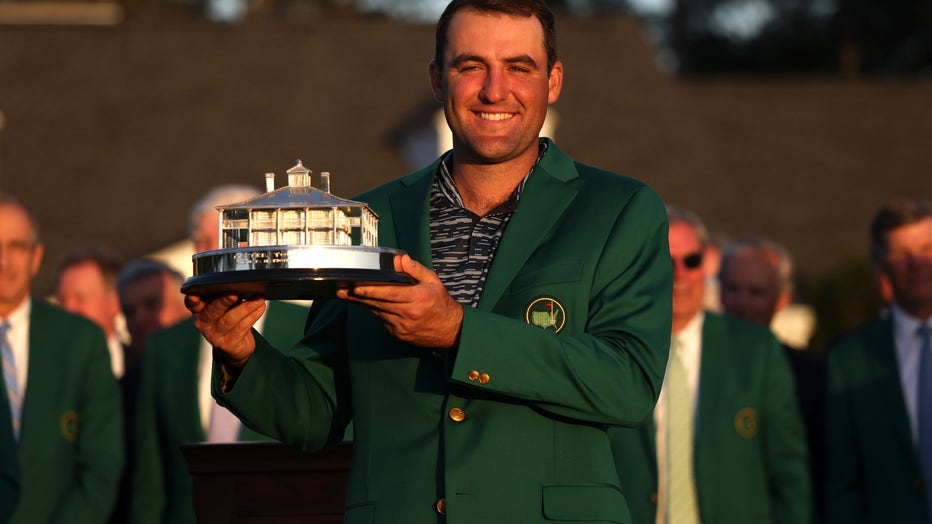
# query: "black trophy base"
{"points": [[290, 283]]}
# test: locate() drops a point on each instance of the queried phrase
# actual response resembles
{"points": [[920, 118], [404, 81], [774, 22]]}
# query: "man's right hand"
{"points": [[226, 322]]}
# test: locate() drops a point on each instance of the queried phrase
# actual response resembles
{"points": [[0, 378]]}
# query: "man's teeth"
{"points": [[495, 116]]}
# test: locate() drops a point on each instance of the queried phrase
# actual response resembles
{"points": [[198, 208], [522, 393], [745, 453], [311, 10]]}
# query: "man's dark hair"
{"points": [[894, 214], [526, 8], [107, 262], [143, 268]]}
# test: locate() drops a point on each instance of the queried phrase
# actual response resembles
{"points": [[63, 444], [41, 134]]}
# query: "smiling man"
{"points": [[540, 313], [65, 454]]}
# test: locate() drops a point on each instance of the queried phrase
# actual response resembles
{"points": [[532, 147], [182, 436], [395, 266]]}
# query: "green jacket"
{"points": [[511, 426], [873, 467], [71, 445], [750, 448], [168, 414]]}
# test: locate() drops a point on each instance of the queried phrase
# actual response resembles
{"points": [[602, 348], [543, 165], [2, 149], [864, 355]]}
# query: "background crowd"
{"points": [[744, 427]]}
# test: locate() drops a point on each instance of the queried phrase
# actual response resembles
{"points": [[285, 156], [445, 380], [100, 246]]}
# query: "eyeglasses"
{"points": [[690, 261]]}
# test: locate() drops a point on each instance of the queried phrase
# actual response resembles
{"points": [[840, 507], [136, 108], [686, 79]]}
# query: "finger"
{"points": [[417, 270], [194, 303]]}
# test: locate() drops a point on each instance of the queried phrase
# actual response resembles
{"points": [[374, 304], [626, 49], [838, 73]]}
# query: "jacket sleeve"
{"points": [[785, 443], [148, 497]]}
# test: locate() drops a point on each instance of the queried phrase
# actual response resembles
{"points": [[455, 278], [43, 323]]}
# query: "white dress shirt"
{"points": [[689, 347]]}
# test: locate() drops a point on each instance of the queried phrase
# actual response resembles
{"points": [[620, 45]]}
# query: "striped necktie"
{"points": [[13, 392], [682, 507], [925, 409]]}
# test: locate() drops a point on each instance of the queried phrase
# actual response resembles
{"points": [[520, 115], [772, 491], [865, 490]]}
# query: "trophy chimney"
{"points": [[269, 182], [325, 181]]}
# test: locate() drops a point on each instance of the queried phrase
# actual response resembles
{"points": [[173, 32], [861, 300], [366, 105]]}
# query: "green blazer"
{"points": [[71, 444], [750, 447], [511, 426], [873, 467], [168, 414]]}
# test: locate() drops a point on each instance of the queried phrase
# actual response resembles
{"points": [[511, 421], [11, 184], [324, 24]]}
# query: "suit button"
{"points": [[653, 497], [473, 375], [484, 378], [457, 415], [441, 506], [917, 485]]}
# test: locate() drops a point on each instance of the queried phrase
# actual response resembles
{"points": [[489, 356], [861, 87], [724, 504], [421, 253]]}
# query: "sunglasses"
{"points": [[690, 261]]}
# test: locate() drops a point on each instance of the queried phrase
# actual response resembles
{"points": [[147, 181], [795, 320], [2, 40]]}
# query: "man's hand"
{"points": [[423, 314], [226, 323]]}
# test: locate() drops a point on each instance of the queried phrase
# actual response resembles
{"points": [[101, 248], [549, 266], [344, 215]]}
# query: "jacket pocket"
{"points": [[585, 502]]}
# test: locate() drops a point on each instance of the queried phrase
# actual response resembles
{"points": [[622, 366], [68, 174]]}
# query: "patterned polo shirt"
{"points": [[462, 243]]}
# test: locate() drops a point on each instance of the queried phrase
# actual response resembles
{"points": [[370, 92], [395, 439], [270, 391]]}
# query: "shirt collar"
{"points": [[904, 325], [690, 338], [19, 317], [448, 188]]}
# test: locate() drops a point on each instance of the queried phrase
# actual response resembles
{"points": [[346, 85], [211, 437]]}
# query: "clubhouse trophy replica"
{"points": [[294, 242]]}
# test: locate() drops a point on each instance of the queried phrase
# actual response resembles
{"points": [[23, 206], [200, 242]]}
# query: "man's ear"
{"points": [[436, 80], [555, 82]]}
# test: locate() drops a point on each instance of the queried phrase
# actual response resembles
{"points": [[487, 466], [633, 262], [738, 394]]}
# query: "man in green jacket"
{"points": [[539, 316], [726, 442], [67, 418], [879, 404]]}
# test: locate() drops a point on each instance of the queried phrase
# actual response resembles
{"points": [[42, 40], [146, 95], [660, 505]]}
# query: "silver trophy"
{"points": [[293, 243]]}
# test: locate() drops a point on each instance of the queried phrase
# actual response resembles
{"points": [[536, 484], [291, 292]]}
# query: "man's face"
{"points": [[495, 85], [20, 257], [908, 266], [206, 233], [82, 290], [749, 288], [149, 304], [688, 282]]}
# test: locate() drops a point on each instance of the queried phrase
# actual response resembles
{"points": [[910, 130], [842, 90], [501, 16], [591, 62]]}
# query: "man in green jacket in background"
{"points": [[66, 420], [726, 443]]}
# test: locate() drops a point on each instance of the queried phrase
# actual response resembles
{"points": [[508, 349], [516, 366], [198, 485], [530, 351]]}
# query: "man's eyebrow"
{"points": [[462, 59], [519, 59]]}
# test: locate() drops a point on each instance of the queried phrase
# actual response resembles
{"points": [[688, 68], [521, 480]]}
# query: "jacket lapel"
{"points": [[546, 196], [711, 376], [410, 210], [887, 397]]}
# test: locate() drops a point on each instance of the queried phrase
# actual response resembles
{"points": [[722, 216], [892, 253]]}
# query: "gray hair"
{"points": [[678, 214], [773, 253]]}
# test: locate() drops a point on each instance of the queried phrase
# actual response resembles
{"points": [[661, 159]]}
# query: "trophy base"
{"points": [[292, 272]]}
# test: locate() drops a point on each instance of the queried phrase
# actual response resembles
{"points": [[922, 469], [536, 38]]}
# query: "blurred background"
{"points": [[792, 119]]}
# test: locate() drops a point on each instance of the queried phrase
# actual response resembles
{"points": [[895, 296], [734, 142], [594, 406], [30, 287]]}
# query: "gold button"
{"points": [[457, 414], [484, 378], [653, 497], [473, 375], [441, 506]]}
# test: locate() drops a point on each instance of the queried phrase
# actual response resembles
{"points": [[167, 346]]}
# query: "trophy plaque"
{"points": [[296, 242]]}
